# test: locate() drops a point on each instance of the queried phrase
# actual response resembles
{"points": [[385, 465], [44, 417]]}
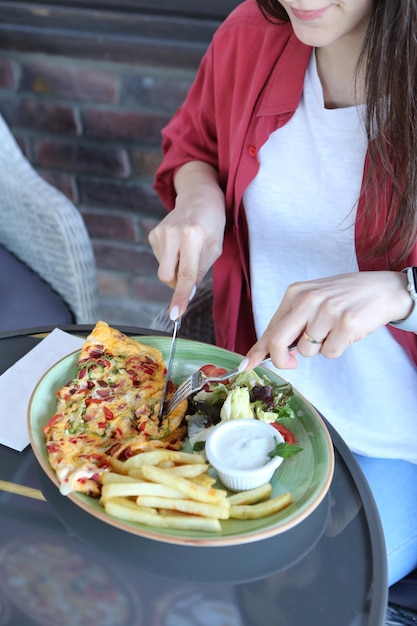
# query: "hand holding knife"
{"points": [[177, 324]]}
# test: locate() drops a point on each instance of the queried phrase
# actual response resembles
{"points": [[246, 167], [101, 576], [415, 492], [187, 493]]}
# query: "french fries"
{"points": [[187, 487], [127, 510], [262, 509], [189, 471], [138, 488], [251, 495], [155, 457], [173, 489], [165, 489], [203, 509]]}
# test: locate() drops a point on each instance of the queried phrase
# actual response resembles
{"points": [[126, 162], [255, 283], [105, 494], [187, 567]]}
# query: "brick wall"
{"points": [[92, 129]]}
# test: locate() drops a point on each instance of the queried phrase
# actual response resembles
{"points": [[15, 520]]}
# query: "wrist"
{"points": [[409, 323]]}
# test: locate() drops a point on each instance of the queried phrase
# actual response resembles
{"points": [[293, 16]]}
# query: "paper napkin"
{"points": [[18, 382]]}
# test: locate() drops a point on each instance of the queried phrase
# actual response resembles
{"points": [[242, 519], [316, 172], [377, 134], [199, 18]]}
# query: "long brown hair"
{"points": [[389, 62]]}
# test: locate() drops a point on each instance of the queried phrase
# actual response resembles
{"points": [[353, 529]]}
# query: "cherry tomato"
{"points": [[212, 370], [284, 431]]}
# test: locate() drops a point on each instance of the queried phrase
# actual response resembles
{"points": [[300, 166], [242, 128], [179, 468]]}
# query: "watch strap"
{"points": [[410, 323]]}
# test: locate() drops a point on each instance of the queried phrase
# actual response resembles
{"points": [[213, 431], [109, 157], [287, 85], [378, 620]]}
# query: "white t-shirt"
{"points": [[301, 209]]}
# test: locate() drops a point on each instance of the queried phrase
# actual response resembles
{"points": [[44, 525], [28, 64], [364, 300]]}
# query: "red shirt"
{"points": [[248, 85]]}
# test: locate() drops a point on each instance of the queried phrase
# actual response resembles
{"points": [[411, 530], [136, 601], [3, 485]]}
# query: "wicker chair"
{"points": [[197, 321], [42, 228]]}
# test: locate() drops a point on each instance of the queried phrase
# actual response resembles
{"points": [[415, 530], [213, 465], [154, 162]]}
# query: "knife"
{"points": [[177, 325]]}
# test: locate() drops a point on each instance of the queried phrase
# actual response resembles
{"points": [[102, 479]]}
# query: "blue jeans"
{"points": [[394, 487]]}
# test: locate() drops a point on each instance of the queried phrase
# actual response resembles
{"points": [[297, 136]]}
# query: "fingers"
{"points": [[286, 362], [181, 264], [310, 345], [295, 335], [190, 270], [283, 356], [327, 315], [174, 310], [282, 353], [185, 250]]}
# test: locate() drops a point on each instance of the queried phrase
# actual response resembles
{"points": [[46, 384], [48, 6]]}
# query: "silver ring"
{"points": [[310, 339]]}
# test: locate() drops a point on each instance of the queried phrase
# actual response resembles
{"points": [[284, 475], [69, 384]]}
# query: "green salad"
{"points": [[248, 396]]}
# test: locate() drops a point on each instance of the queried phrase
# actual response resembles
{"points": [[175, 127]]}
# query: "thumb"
{"points": [[257, 354], [260, 351]]}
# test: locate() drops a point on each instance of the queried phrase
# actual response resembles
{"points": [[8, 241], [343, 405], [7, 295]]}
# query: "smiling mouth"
{"points": [[307, 16]]}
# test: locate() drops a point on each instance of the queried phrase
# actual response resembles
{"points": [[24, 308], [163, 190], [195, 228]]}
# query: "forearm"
{"points": [[190, 238], [197, 185]]}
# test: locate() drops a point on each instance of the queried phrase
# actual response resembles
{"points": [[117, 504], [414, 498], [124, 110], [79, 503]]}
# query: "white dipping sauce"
{"points": [[245, 449], [238, 451]]}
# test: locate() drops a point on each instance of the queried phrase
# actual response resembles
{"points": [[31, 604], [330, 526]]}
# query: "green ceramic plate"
{"points": [[307, 475]]}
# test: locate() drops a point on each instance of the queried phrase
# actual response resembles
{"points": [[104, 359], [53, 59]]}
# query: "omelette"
{"points": [[110, 410]]}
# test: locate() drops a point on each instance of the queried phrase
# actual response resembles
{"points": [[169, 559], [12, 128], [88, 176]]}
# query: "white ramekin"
{"points": [[241, 479]]}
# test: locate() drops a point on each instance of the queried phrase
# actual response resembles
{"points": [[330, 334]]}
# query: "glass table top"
{"points": [[58, 561]]}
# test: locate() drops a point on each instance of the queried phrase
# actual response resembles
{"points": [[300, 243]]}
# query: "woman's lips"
{"points": [[307, 16]]}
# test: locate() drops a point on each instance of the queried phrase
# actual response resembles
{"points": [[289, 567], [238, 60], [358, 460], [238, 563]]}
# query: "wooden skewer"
{"points": [[21, 490]]}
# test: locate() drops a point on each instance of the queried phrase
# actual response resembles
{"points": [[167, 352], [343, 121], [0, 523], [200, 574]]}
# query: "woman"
{"points": [[292, 168]]}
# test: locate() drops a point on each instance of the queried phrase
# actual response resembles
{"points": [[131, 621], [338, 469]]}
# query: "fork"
{"points": [[196, 382]]}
